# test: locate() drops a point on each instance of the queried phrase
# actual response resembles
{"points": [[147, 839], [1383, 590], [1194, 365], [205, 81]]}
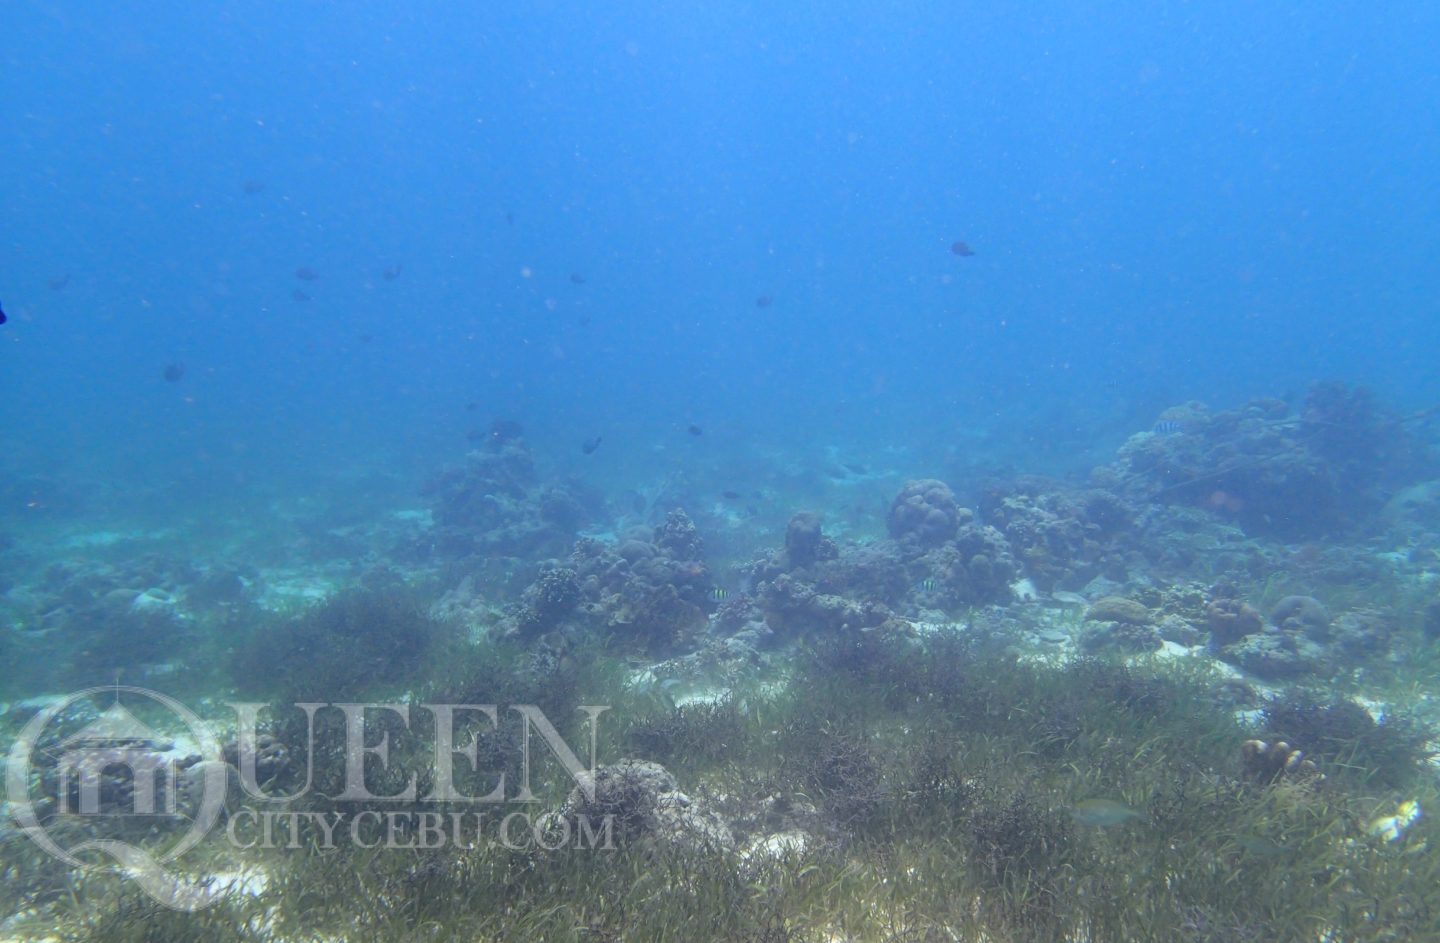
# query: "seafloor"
{"points": [[1188, 697]]}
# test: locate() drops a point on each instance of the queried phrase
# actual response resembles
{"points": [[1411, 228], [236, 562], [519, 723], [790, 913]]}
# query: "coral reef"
{"points": [[804, 542], [494, 503], [1115, 622], [1122, 637], [1275, 474], [925, 513], [1276, 655], [547, 601], [795, 608], [1302, 614], [649, 590], [1300, 639], [977, 567], [1064, 536], [879, 747], [1231, 620], [939, 559]]}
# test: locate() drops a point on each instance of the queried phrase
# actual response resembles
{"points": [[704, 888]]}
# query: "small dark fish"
{"points": [[306, 274], [731, 495], [471, 407], [961, 249], [509, 218], [299, 295], [252, 187], [584, 320], [694, 430], [366, 338], [576, 278], [174, 372], [3, 318], [590, 445], [58, 283], [854, 469], [392, 272], [764, 301]]}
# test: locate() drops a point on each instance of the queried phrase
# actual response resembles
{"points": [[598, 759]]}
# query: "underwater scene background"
{"points": [[984, 458]]}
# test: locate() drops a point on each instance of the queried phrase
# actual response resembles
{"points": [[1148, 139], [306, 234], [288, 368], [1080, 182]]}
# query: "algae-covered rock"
{"points": [[1119, 609], [1173, 628], [1276, 655], [644, 802], [1121, 636]]}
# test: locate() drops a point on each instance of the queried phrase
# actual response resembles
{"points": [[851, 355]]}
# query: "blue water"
{"points": [[1166, 201]]}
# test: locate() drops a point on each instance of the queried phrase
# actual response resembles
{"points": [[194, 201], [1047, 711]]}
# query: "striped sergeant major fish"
{"points": [[1170, 427]]}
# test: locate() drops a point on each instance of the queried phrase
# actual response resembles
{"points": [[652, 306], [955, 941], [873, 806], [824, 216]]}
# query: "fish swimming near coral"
{"points": [[1170, 427], [1103, 813]]}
